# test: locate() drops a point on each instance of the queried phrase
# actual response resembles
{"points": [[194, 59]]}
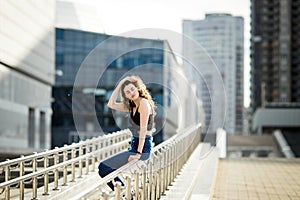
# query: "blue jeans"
{"points": [[118, 160]]}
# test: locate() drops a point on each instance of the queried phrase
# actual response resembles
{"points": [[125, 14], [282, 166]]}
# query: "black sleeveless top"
{"points": [[136, 119]]}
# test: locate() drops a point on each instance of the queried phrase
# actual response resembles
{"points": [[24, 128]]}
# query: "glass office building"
{"points": [[86, 58]]}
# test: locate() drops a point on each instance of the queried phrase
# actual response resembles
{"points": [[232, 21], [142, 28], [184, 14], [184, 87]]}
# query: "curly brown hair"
{"points": [[143, 92]]}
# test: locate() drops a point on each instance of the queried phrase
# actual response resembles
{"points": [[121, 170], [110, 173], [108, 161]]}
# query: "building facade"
{"points": [[275, 65], [222, 37], [92, 64], [26, 75], [274, 52]]}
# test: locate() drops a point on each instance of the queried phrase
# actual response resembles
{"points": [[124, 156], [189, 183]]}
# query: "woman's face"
{"points": [[131, 92]]}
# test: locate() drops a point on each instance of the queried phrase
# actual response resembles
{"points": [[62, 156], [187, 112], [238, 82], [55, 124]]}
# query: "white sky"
{"points": [[119, 16]]}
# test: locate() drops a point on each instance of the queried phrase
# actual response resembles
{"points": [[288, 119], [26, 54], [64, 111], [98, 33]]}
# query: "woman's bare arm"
{"points": [[145, 111], [112, 103]]}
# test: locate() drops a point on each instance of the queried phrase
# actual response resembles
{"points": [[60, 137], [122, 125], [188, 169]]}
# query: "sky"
{"points": [[120, 16]]}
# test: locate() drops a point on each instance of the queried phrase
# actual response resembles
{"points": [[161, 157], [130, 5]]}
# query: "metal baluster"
{"points": [[117, 190], [7, 176], [21, 182], [143, 183], [87, 151], [93, 156], [128, 187], [160, 174], [73, 164], [172, 165], [136, 177], [80, 162], [167, 171], [34, 179], [46, 176], [65, 168], [104, 195], [164, 171], [56, 161], [150, 178]]}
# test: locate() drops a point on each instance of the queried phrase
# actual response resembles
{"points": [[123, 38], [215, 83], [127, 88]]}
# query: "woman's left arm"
{"points": [[145, 110]]}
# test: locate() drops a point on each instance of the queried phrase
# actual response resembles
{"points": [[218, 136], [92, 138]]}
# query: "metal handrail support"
{"points": [[160, 169], [55, 153], [54, 167], [124, 134]]}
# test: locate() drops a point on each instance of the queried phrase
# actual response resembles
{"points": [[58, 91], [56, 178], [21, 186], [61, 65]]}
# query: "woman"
{"points": [[135, 99]]}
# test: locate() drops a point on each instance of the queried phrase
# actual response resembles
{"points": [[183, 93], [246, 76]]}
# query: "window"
{"points": [[59, 34], [59, 59]]}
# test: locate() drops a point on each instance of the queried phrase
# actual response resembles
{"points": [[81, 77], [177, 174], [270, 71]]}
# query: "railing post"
{"points": [[171, 160], [46, 176], [160, 171], [117, 190], [164, 170], [128, 187], [104, 195], [150, 179], [93, 156], [22, 182], [87, 151], [7, 176], [73, 164], [56, 161], [34, 179], [80, 162], [65, 168], [137, 189], [143, 183]]}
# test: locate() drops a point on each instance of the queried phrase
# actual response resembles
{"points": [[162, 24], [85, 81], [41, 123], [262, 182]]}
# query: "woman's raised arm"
{"points": [[112, 103]]}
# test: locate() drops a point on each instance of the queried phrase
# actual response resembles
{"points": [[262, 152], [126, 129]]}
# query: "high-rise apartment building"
{"points": [[222, 37], [275, 45], [275, 64]]}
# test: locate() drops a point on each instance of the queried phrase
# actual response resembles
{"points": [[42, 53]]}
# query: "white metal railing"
{"points": [[148, 179], [64, 160], [283, 145]]}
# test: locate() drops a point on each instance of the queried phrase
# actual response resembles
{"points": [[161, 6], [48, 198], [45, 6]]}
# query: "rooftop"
{"points": [[257, 178]]}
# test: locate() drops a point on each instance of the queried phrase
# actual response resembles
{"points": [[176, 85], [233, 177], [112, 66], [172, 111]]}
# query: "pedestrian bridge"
{"points": [[175, 170]]}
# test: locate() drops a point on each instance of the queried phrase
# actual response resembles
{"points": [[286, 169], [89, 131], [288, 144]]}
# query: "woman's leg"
{"points": [[116, 161], [112, 163]]}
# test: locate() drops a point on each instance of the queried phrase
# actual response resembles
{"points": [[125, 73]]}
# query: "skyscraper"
{"points": [[222, 37], [275, 44], [275, 64]]}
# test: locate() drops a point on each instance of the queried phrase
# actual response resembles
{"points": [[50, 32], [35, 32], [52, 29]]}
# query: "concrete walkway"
{"points": [[195, 178], [257, 179]]}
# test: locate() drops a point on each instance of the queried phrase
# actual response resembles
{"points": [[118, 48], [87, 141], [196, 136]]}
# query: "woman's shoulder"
{"points": [[145, 103]]}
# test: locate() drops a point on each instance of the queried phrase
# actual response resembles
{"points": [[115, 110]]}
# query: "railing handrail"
{"points": [[176, 137], [64, 148], [156, 150], [284, 146], [94, 150], [54, 167]]}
